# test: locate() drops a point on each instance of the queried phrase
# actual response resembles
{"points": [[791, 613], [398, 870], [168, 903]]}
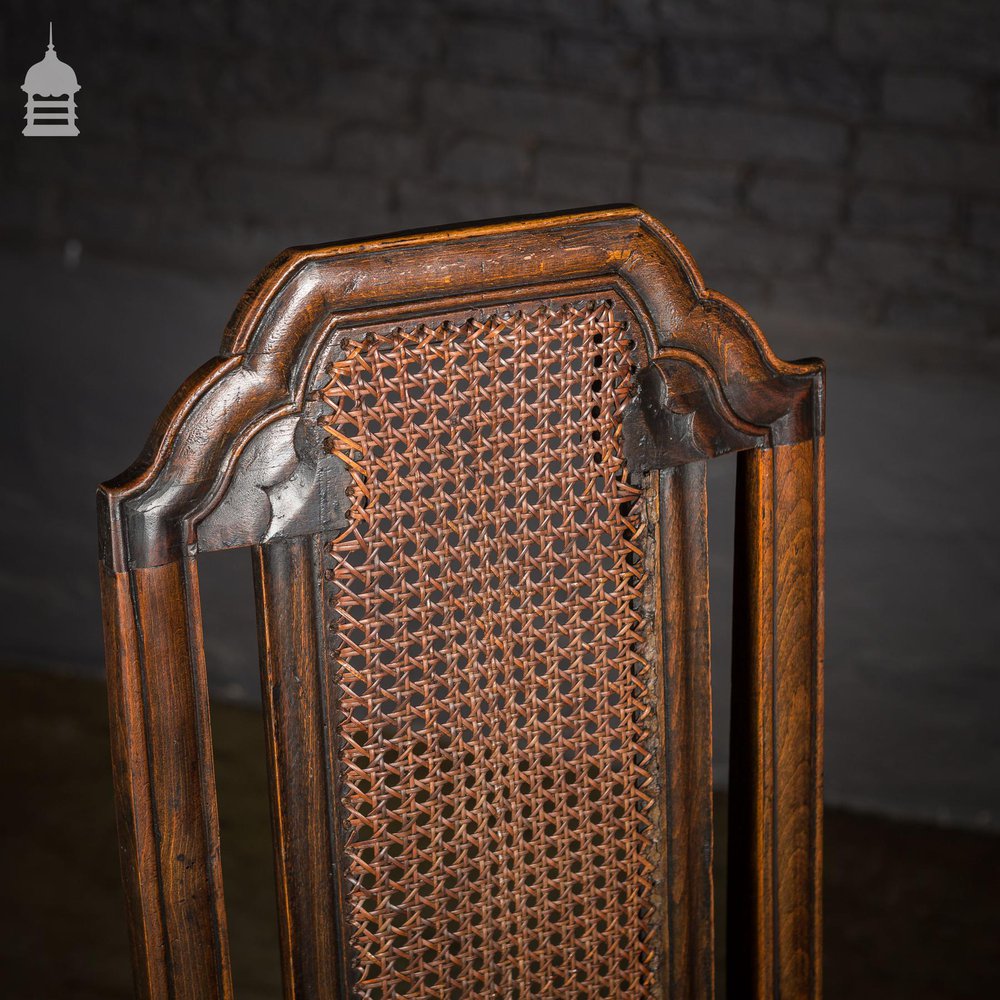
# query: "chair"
{"points": [[470, 464]]}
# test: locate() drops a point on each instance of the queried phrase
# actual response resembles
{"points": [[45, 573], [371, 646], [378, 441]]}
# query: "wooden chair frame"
{"points": [[712, 386]]}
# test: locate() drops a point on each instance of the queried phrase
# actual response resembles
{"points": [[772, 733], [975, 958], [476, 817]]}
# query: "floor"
{"points": [[911, 911]]}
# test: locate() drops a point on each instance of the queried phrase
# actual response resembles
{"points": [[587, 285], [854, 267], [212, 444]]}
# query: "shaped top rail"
{"points": [[242, 408]]}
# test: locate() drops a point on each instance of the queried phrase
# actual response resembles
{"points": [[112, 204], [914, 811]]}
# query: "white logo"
{"points": [[50, 86]]}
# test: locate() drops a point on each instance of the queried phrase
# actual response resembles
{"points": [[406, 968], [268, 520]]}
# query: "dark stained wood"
{"points": [[682, 412], [297, 715], [154, 512], [237, 460], [775, 853], [165, 780], [687, 733]]}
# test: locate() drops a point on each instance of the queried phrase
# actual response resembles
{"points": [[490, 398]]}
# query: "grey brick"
{"points": [[927, 267], [74, 165], [751, 291], [639, 16], [365, 96], [406, 112], [518, 113], [741, 134], [824, 303], [484, 163], [110, 223], [895, 264], [604, 65], [890, 210], [925, 157], [296, 140], [423, 204], [923, 37], [382, 151], [747, 246], [817, 77], [105, 120], [497, 51], [269, 25], [719, 69], [796, 202], [206, 22], [787, 22], [156, 75], [403, 36], [160, 176], [33, 214], [937, 314], [810, 77], [709, 190], [974, 272], [986, 225], [262, 80], [263, 193], [243, 247], [570, 12], [167, 127], [935, 99], [218, 246], [582, 176]]}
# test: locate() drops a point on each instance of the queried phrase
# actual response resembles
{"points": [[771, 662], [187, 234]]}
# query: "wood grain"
{"points": [[687, 732], [165, 780], [238, 460], [775, 856], [297, 717]]}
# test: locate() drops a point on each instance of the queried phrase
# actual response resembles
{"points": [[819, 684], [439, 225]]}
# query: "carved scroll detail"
{"points": [[285, 484], [682, 412]]}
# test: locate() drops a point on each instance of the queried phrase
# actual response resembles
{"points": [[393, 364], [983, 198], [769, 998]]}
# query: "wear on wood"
{"points": [[470, 464]]}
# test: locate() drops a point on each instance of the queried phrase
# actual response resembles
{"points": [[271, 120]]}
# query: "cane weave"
{"points": [[496, 736]]}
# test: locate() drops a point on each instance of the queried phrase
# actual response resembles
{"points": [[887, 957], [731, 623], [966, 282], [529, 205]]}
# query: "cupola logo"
{"points": [[51, 88]]}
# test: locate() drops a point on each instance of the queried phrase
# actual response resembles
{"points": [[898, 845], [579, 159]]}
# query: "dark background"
{"points": [[834, 165]]}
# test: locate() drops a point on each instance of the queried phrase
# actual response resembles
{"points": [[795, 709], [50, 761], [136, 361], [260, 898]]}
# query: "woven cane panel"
{"points": [[486, 620]]}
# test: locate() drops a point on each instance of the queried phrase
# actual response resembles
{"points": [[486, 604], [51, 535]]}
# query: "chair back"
{"points": [[470, 465]]}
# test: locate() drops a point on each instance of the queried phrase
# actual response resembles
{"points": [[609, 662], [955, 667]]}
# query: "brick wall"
{"points": [[837, 158], [834, 166]]}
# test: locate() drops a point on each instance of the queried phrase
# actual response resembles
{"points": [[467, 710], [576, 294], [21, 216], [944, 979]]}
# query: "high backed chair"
{"points": [[470, 466]]}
